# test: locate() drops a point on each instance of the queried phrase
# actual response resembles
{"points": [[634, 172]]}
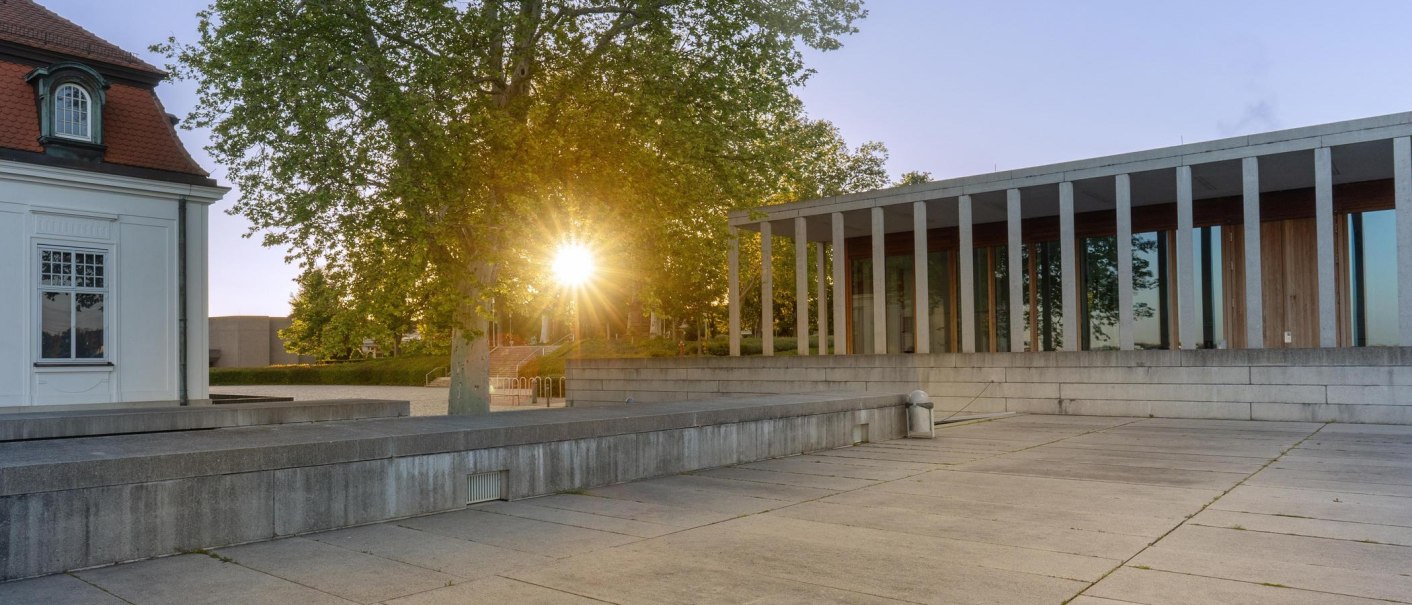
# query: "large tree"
{"points": [[474, 130]]}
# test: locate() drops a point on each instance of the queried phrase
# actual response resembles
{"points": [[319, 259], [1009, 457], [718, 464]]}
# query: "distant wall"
{"points": [[251, 341], [1372, 385]]}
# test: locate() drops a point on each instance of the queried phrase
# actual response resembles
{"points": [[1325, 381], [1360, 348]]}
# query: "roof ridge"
{"points": [[80, 40]]}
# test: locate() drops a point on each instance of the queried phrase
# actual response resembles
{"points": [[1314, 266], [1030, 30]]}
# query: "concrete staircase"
{"points": [[505, 362]]}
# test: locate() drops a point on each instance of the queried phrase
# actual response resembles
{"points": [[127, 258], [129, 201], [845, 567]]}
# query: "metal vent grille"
{"points": [[485, 487]]}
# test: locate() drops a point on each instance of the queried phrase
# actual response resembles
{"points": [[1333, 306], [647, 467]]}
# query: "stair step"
{"points": [[444, 382]]}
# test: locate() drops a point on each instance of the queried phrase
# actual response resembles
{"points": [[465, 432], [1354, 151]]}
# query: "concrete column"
{"points": [[1016, 270], [733, 292], [801, 284], [1254, 297], [840, 299], [1068, 267], [966, 260], [1324, 236], [879, 285], [823, 297], [767, 292], [1122, 187], [543, 329], [1186, 275], [919, 274], [1402, 186]]}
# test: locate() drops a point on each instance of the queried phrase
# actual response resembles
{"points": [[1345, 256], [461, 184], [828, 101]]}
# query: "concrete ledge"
{"points": [[83, 423], [1372, 384], [75, 503]]}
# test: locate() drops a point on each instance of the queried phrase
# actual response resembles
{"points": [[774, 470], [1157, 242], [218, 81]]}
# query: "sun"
{"points": [[573, 264]]}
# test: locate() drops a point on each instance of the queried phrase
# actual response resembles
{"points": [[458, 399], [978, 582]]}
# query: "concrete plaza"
{"points": [[1026, 509]]}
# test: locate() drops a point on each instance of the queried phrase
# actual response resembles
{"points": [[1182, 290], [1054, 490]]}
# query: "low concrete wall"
{"points": [[75, 503], [1372, 385], [84, 423]]}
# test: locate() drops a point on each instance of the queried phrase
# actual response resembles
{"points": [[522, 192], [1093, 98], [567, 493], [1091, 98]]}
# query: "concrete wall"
{"points": [[1372, 385], [73, 503], [251, 341]]}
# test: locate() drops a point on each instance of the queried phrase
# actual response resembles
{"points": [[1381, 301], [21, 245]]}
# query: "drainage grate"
{"points": [[487, 486]]}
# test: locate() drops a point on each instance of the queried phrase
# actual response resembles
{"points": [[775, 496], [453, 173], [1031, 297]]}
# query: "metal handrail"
{"points": [[429, 376]]}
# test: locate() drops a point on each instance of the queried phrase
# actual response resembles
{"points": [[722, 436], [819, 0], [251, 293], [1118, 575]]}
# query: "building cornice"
{"points": [[1233, 148], [87, 179]]}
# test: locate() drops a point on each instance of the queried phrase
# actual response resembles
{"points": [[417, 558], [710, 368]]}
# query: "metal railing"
{"points": [[437, 372], [531, 390]]}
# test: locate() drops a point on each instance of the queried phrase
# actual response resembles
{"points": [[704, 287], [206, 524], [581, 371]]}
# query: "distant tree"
{"points": [[322, 324], [914, 177], [475, 130]]}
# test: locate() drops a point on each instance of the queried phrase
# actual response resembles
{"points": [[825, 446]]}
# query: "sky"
{"points": [[965, 87]]}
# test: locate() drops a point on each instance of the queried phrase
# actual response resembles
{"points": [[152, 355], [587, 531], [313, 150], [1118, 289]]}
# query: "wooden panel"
{"points": [[1233, 283], [1272, 272]]}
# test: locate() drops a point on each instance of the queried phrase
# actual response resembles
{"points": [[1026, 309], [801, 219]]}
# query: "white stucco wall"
{"points": [[135, 221]]}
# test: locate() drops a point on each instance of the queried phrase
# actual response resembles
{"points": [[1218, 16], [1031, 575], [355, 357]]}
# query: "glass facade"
{"points": [[900, 288], [940, 294], [861, 278], [1372, 278], [1152, 297], [1210, 288], [1098, 300], [992, 299], [1044, 304]]}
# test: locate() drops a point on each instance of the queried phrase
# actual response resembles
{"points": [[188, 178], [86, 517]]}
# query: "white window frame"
{"points": [[87, 112], [40, 288]]}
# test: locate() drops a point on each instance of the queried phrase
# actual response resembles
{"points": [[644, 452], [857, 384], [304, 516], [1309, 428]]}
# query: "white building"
{"points": [[103, 225]]}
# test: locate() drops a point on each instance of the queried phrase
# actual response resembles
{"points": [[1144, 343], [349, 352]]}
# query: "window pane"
{"points": [[71, 112], [1099, 297], [1210, 300], [55, 268], [1373, 239], [901, 292], [54, 321], [88, 326], [1043, 291], [862, 306], [939, 282], [1150, 277]]}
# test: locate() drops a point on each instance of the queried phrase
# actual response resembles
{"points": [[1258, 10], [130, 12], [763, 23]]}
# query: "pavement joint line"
{"points": [[541, 586], [521, 550], [100, 588], [1252, 582], [1282, 533], [1203, 508], [606, 531], [236, 563]]}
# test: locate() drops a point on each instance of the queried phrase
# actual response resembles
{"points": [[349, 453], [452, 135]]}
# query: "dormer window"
{"points": [[71, 109], [70, 97]]}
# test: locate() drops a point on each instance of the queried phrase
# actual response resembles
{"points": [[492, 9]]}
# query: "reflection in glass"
{"points": [[939, 282], [1099, 297], [1151, 276], [992, 296], [862, 307], [88, 326], [1210, 294], [56, 332], [901, 292], [1372, 243], [1043, 288]]}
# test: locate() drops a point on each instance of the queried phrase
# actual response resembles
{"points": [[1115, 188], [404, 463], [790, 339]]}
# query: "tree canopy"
{"points": [[455, 141]]}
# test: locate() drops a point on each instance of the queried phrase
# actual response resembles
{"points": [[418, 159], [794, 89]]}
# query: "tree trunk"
{"points": [[470, 351]]}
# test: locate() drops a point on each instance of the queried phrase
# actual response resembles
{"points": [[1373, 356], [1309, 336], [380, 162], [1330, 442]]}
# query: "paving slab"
{"points": [[463, 559], [1317, 528], [632, 576], [494, 589], [350, 574], [627, 527], [1058, 537], [819, 465], [1029, 511], [527, 535], [831, 483], [1154, 587], [754, 489], [1143, 475], [629, 509], [1336, 506], [201, 580], [1257, 570], [1067, 494], [925, 576], [60, 588], [652, 492], [1159, 460]]}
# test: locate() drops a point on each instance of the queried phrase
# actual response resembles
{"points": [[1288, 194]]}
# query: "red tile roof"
{"points": [[136, 130], [27, 23]]}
